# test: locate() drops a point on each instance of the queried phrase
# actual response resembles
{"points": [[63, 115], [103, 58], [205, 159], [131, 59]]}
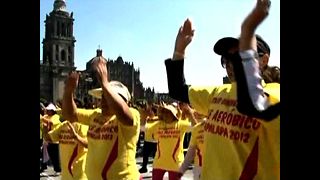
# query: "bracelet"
{"points": [[178, 53]]}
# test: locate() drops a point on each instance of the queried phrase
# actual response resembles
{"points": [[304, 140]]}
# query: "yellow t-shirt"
{"points": [[147, 135], [111, 146], [169, 137], [197, 141], [72, 154], [55, 119], [238, 146]]}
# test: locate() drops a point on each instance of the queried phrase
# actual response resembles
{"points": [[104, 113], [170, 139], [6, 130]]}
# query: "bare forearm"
{"points": [[193, 119], [82, 141], [69, 107], [247, 38], [249, 26]]}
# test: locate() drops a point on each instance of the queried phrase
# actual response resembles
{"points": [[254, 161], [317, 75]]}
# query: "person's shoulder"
{"points": [[198, 125], [273, 91], [56, 116], [184, 122], [208, 89], [134, 110], [83, 110], [273, 85], [274, 68]]}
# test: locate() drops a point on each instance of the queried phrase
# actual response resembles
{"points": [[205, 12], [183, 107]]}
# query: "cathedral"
{"points": [[58, 61]]}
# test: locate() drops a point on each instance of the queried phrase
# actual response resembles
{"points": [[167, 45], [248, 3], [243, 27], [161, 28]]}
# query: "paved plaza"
{"points": [[50, 175]]}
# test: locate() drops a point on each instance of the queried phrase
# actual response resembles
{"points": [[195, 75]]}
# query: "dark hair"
{"points": [[79, 103], [154, 109], [262, 46]]}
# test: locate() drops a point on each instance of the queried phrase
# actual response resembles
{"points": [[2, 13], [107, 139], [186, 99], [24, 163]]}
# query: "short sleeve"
{"points": [[185, 126], [151, 129], [199, 98], [86, 115], [54, 133], [136, 116], [82, 129]]}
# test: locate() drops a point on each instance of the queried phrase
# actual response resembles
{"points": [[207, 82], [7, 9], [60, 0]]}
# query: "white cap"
{"points": [[51, 107], [117, 86], [172, 109]]}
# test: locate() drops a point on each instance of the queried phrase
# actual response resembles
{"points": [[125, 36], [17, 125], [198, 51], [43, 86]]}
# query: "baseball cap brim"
{"points": [[118, 87], [223, 45]]}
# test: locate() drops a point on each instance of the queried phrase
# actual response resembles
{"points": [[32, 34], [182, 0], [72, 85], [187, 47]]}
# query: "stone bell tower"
{"points": [[58, 51]]}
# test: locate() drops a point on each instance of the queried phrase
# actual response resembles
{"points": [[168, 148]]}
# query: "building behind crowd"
{"points": [[118, 70], [58, 52], [58, 61]]}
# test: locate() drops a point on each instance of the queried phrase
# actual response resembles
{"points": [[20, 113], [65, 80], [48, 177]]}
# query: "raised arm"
{"points": [[115, 102], [189, 112], [69, 107], [178, 89], [251, 98]]}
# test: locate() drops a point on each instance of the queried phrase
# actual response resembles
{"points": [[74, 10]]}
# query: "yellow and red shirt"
{"points": [[149, 123], [169, 137], [72, 154], [236, 146], [55, 121], [197, 141], [111, 146]]}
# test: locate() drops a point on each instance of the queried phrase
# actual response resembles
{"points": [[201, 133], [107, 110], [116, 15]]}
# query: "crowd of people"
{"points": [[229, 131]]}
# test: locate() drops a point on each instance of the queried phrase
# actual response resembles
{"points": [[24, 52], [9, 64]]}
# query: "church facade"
{"points": [[58, 61]]}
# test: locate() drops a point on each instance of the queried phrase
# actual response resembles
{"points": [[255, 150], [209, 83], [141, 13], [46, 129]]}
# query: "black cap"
{"points": [[223, 45]]}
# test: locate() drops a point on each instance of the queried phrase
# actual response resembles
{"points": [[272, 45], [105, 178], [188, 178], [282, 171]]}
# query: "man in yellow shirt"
{"points": [[72, 148], [52, 119], [253, 99], [113, 130], [236, 146]]}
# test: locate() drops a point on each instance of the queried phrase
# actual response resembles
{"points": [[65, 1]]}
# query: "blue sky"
{"points": [[144, 32]]}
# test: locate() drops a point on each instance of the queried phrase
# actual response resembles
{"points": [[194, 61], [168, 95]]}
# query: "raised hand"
{"points": [[259, 13], [47, 125], [251, 22], [184, 37], [72, 81], [99, 65], [263, 7]]}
